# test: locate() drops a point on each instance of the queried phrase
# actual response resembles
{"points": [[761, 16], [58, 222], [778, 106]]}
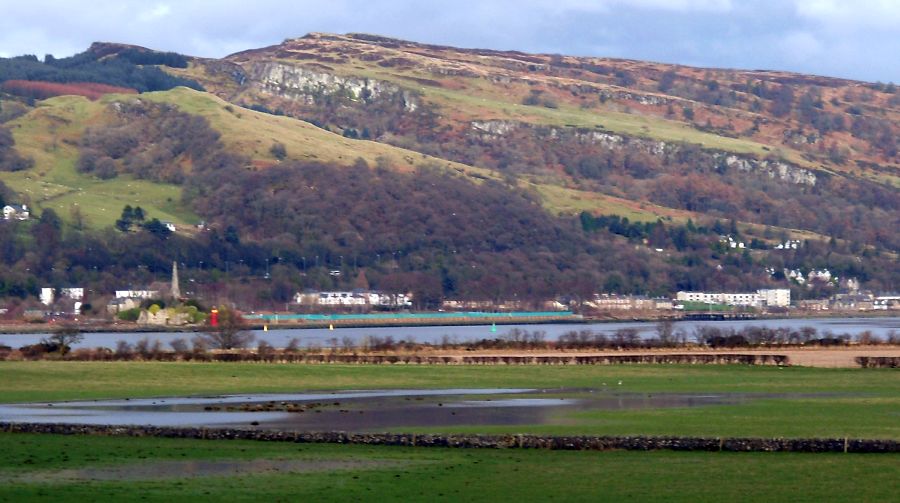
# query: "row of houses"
{"points": [[764, 298], [854, 301], [609, 302], [353, 298]]}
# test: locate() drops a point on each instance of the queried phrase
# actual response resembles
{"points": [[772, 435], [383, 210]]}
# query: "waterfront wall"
{"points": [[552, 442]]}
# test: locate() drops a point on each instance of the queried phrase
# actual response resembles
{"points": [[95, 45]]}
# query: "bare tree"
{"points": [[230, 332], [63, 338], [665, 332], [179, 346]]}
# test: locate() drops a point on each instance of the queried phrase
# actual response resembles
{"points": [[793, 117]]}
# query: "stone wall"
{"points": [[871, 362], [593, 443]]}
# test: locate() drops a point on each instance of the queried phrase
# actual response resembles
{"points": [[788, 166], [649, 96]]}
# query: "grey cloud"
{"points": [[848, 39]]}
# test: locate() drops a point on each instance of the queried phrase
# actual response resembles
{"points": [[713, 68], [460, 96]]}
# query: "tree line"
{"points": [[126, 69]]}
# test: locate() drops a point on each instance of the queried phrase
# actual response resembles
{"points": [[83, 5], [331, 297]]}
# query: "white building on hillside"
{"points": [[15, 212], [779, 297]]}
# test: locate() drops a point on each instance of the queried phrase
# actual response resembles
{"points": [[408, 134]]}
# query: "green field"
{"points": [[60, 468], [862, 403]]}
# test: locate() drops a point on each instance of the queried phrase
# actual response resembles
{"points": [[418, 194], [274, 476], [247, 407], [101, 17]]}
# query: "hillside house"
{"points": [[16, 212]]}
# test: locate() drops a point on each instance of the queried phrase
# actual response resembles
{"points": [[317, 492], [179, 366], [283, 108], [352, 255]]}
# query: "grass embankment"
{"points": [[863, 403], [59, 468]]}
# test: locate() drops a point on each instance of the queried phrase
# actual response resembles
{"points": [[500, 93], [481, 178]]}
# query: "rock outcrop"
{"points": [[311, 86], [775, 169]]}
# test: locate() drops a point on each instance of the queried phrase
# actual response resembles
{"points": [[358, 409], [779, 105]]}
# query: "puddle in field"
{"points": [[158, 470], [363, 411]]}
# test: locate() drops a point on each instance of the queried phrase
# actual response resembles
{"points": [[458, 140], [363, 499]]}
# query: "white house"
{"points": [[77, 294], [137, 294], [47, 296], [15, 212]]}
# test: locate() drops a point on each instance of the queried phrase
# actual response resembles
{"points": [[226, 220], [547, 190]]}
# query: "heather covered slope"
{"points": [[769, 148]]}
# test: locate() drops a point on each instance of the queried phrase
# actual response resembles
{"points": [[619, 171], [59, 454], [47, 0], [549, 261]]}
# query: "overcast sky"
{"points": [[845, 38]]}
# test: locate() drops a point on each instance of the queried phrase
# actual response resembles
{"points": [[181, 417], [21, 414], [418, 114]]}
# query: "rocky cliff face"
{"points": [[495, 129], [311, 86]]}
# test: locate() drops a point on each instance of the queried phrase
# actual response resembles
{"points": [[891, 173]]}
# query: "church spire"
{"points": [[176, 292]]}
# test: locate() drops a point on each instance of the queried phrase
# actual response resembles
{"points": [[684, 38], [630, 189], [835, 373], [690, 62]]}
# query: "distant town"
{"points": [[164, 304]]}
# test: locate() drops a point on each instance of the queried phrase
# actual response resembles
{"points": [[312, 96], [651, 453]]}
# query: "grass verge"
{"points": [[49, 467]]}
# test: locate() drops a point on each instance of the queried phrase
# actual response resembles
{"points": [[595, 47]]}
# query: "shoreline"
{"points": [[47, 327]]}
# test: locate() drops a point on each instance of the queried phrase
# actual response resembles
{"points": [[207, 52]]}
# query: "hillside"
{"points": [[480, 173], [761, 147]]}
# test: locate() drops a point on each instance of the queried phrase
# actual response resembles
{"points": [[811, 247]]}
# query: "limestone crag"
{"points": [[310, 86], [781, 170], [774, 169]]}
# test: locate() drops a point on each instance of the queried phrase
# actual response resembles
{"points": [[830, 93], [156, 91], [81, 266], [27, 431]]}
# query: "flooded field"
{"points": [[364, 411]]}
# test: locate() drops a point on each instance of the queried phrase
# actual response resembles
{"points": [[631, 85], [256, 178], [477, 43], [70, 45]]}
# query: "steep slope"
{"points": [[607, 136], [50, 135]]}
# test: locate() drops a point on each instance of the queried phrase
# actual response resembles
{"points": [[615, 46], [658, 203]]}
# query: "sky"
{"points": [[857, 39]]}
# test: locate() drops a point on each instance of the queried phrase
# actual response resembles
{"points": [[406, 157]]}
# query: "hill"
{"points": [[480, 173], [761, 147]]}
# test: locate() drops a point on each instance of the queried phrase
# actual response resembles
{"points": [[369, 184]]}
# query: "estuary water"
{"points": [[323, 337]]}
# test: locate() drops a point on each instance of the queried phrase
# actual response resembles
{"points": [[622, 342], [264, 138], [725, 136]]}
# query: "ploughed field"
{"points": [[708, 401]]}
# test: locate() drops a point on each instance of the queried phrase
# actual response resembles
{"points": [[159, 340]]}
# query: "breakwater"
{"points": [[552, 442]]}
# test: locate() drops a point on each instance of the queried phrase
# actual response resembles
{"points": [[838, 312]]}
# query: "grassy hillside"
{"points": [[49, 135], [252, 134]]}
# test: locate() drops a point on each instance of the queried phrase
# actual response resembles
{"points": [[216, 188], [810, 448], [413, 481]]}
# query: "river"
{"points": [[323, 337]]}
